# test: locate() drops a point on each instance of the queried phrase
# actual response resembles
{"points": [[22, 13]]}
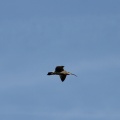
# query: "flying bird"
{"points": [[59, 70]]}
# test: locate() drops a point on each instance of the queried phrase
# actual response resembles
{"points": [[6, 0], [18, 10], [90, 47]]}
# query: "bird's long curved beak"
{"points": [[73, 74]]}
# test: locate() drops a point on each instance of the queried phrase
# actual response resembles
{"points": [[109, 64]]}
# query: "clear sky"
{"points": [[36, 36]]}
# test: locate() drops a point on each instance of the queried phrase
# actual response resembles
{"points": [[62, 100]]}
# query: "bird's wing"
{"points": [[62, 77], [59, 69]]}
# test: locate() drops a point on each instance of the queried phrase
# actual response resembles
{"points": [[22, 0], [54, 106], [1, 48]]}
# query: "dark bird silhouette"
{"points": [[61, 72]]}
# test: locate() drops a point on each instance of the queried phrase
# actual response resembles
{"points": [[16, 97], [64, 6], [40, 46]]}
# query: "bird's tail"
{"points": [[50, 73]]}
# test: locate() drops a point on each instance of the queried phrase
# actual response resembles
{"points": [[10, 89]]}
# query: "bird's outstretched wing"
{"points": [[62, 77], [59, 69]]}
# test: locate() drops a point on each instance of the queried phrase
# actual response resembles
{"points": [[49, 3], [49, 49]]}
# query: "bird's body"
{"points": [[61, 72]]}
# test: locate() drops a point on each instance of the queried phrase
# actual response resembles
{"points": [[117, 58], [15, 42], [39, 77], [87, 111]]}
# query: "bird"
{"points": [[59, 70]]}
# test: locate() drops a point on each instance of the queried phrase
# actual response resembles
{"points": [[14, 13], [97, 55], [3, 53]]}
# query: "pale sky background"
{"points": [[36, 36]]}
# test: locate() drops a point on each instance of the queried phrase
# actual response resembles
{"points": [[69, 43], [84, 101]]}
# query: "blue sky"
{"points": [[36, 36]]}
